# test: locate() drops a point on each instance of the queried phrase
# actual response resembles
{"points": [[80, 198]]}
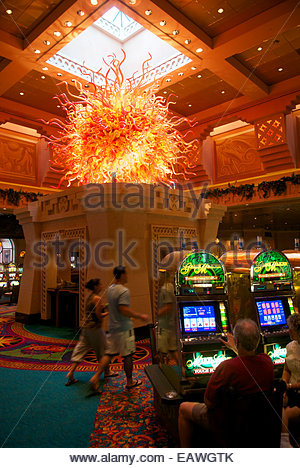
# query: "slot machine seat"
{"points": [[12, 296], [253, 420]]}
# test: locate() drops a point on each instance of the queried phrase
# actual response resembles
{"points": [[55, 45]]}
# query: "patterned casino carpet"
{"points": [[27, 347], [123, 418]]}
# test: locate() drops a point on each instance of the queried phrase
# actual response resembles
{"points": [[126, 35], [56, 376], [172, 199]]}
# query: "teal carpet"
{"points": [[37, 410]]}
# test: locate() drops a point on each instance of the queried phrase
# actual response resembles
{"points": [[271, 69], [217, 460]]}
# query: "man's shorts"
{"points": [[122, 343], [166, 340], [201, 417]]}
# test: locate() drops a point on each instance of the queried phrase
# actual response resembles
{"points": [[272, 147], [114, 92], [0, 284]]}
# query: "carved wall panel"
{"points": [[236, 157], [270, 132], [18, 161]]}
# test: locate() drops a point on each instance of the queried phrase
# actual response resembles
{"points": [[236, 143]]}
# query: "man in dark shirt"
{"points": [[248, 373]]}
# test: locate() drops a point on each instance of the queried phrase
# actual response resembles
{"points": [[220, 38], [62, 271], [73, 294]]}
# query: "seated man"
{"points": [[248, 372]]}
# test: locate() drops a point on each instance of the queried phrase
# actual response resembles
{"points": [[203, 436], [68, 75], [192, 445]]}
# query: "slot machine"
{"points": [[20, 271], [272, 289], [203, 318], [3, 277], [12, 275]]}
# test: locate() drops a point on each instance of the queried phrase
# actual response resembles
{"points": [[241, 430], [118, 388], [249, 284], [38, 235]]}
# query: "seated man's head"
{"points": [[246, 335]]}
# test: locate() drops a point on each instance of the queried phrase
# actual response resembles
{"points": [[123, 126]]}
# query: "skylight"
{"points": [[118, 24]]}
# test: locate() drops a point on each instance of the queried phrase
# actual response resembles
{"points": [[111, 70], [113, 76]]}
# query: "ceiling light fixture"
{"points": [[9, 12], [187, 41], [199, 50], [57, 33], [168, 80], [223, 92], [193, 68], [80, 13], [163, 23], [45, 68], [37, 51], [86, 85], [58, 106], [94, 2], [220, 10], [180, 74], [190, 105], [59, 74], [148, 12], [43, 77], [199, 76], [259, 48], [68, 24], [175, 32], [165, 92], [21, 93], [47, 42], [280, 69]]}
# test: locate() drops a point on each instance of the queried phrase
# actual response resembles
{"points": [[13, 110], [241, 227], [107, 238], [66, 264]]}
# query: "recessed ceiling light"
{"points": [[47, 42], [193, 68], [220, 10], [222, 92], [199, 50], [165, 92], [180, 74], [255, 218], [59, 74], [163, 23], [58, 106], [94, 2], [80, 13], [175, 32], [57, 33], [68, 24], [73, 81], [86, 85], [43, 77], [199, 76], [187, 41], [9, 12], [45, 68], [132, 2], [259, 48], [37, 51], [168, 80], [190, 105], [280, 69], [148, 12], [21, 93]]}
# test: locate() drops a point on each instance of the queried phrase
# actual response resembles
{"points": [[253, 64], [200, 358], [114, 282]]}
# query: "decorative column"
{"points": [[29, 305]]}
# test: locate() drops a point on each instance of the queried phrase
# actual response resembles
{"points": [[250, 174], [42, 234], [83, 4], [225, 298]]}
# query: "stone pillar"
{"points": [[208, 227], [28, 308]]}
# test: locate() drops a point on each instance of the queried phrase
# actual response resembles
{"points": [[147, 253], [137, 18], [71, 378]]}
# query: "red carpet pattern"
{"points": [[22, 349], [127, 418]]}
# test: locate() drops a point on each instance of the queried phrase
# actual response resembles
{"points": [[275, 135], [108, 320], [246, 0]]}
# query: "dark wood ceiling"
{"points": [[229, 69]]}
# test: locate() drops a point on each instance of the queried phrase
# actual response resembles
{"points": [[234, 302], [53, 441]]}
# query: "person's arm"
{"points": [[165, 309], [128, 312], [215, 383], [230, 344], [98, 308], [286, 375]]}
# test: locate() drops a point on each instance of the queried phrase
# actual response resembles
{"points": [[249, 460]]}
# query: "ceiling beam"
{"points": [[13, 73], [169, 9]]}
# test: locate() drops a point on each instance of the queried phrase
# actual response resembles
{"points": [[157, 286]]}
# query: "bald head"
{"points": [[246, 334]]}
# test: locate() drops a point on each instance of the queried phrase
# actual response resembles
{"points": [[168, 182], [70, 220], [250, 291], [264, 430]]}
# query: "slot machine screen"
{"points": [[272, 312], [199, 318]]}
